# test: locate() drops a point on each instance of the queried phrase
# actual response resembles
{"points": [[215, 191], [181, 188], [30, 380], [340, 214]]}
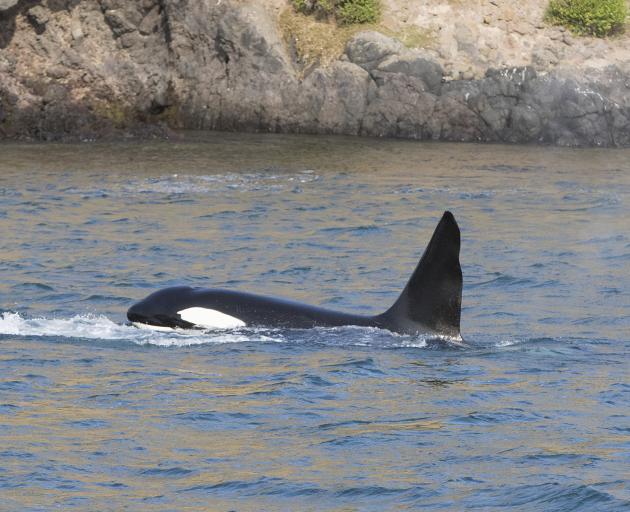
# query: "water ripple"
{"points": [[528, 413]]}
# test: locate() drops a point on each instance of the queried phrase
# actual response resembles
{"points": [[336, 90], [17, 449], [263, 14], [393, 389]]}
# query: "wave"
{"points": [[100, 327], [266, 180]]}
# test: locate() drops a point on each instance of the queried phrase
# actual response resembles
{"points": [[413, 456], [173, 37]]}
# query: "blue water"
{"points": [[98, 415]]}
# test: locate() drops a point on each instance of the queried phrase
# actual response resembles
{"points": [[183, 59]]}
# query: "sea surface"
{"points": [[98, 415]]}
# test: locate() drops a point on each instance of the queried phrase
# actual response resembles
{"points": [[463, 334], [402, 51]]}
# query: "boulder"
{"points": [[399, 106], [38, 16], [414, 65], [337, 97], [369, 49], [5, 5]]}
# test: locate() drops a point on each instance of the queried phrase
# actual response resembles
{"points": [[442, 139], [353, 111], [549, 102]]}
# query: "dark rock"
{"points": [[38, 16], [620, 130], [138, 68], [526, 124], [5, 5], [369, 49], [338, 97], [399, 106], [428, 71], [452, 120], [518, 75]]}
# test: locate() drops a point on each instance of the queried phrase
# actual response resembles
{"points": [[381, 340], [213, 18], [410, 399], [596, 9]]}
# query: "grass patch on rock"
{"points": [[358, 11], [321, 41], [414, 37], [316, 41], [345, 12], [599, 18]]}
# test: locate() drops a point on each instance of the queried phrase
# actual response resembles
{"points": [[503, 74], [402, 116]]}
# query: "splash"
{"points": [[359, 336], [506, 343], [99, 327]]}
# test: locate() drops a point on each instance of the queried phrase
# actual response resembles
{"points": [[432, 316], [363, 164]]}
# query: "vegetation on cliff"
{"points": [[140, 68], [344, 11], [589, 17], [319, 41]]}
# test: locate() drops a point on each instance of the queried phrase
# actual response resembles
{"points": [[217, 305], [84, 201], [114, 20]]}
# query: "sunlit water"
{"points": [[98, 415]]}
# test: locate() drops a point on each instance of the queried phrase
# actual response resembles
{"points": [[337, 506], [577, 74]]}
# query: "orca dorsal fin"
{"points": [[433, 296]]}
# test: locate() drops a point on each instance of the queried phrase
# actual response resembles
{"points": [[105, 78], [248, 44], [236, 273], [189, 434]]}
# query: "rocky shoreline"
{"points": [[97, 69]]}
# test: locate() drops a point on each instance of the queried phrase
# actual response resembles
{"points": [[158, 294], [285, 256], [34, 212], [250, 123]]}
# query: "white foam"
{"points": [[376, 337], [506, 343], [220, 183], [99, 327], [79, 326]]}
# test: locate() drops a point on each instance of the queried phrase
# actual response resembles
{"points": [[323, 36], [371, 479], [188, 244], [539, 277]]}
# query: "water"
{"points": [[97, 415]]}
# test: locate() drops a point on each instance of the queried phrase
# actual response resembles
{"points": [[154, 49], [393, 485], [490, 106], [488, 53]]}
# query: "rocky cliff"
{"points": [[105, 68]]}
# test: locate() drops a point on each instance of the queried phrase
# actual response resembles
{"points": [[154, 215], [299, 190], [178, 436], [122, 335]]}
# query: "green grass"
{"points": [[345, 12], [316, 41], [599, 18], [322, 41], [358, 11]]}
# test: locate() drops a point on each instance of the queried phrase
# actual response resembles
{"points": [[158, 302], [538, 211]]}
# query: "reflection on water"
{"points": [[97, 415]]}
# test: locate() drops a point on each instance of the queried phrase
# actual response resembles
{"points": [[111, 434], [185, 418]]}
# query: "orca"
{"points": [[430, 303]]}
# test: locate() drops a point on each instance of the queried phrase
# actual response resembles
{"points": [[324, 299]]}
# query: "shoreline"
{"points": [[184, 136], [147, 71]]}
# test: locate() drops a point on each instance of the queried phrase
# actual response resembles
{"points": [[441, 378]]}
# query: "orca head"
{"points": [[160, 309]]}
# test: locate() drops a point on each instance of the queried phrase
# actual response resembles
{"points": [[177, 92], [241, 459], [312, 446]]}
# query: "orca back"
{"points": [[432, 298], [429, 304]]}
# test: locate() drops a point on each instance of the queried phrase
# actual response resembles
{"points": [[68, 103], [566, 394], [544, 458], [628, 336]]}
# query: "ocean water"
{"points": [[99, 415]]}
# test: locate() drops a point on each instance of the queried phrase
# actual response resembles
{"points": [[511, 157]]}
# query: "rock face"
{"points": [[5, 5], [106, 68], [467, 38]]}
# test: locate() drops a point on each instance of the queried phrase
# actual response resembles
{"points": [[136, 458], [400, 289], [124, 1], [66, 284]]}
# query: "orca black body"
{"points": [[429, 304]]}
